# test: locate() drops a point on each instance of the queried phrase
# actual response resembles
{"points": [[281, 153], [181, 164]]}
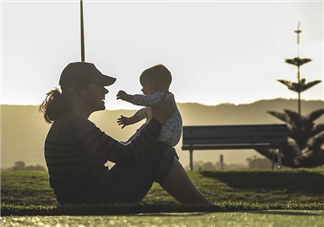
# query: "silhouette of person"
{"points": [[76, 149]]}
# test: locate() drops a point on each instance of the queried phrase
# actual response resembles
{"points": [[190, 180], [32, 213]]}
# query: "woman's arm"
{"points": [[94, 142], [99, 145]]}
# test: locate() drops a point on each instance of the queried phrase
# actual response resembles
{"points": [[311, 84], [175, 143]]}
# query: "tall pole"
{"points": [[82, 32], [298, 71], [298, 31]]}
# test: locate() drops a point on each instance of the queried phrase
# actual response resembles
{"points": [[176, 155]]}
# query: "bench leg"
{"points": [[273, 158], [221, 161], [190, 159], [279, 159]]}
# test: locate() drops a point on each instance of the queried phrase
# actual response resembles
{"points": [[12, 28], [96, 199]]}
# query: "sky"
{"points": [[217, 51]]}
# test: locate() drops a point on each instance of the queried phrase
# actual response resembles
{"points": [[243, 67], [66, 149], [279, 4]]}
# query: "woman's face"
{"points": [[94, 97]]}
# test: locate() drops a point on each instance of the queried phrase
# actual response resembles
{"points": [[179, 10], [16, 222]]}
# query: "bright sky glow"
{"points": [[217, 51]]}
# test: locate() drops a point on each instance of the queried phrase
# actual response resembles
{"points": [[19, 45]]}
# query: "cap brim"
{"points": [[107, 80]]}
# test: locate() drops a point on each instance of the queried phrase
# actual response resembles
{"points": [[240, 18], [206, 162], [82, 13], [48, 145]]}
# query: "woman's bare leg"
{"points": [[178, 184]]}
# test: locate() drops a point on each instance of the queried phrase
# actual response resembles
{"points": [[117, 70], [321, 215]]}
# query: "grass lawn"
{"points": [[28, 193], [273, 218]]}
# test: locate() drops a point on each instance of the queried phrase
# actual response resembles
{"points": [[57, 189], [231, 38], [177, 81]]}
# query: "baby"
{"points": [[155, 83]]}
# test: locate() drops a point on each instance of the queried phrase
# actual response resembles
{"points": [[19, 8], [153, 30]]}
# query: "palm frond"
{"points": [[299, 87], [318, 129], [294, 87], [314, 115], [304, 87], [312, 160], [291, 131], [281, 116], [291, 86], [318, 142], [298, 61], [286, 82], [296, 119]]}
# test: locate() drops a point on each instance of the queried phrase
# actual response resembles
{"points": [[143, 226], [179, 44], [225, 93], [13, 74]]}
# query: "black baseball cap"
{"points": [[77, 73]]}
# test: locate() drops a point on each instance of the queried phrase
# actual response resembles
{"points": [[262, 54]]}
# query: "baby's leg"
{"points": [[180, 186]]}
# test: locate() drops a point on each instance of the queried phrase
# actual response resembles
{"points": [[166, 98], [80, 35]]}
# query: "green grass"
{"points": [[255, 186], [28, 193], [224, 219], [26, 187]]}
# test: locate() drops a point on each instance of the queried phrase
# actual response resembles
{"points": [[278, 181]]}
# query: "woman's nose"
{"points": [[105, 91]]}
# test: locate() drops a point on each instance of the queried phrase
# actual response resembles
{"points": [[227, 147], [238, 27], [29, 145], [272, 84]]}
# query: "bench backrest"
{"points": [[234, 137]]}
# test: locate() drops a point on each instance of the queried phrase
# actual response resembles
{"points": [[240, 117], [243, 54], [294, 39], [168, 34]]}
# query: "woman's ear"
{"points": [[80, 90]]}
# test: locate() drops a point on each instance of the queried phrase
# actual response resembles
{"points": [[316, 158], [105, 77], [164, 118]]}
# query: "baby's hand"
{"points": [[124, 121], [121, 95]]}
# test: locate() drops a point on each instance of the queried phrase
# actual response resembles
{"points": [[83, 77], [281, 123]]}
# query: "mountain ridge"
{"points": [[23, 129]]}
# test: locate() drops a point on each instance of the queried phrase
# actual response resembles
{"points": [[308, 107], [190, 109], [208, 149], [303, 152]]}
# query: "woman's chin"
{"points": [[103, 105]]}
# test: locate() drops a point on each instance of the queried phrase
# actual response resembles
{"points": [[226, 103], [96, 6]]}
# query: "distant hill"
{"points": [[23, 129]]}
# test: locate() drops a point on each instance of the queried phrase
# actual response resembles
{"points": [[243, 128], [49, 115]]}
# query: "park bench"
{"points": [[222, 137]]}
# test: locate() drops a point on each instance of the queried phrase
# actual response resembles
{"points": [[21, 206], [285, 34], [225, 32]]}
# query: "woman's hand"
{"points": [[164, 109]]}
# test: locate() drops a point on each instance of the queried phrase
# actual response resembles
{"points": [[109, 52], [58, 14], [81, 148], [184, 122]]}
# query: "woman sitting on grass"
{"points": [[76, 150]]}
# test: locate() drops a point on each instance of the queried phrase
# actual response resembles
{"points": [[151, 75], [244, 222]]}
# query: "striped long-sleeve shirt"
{"points": [[76, 151]]}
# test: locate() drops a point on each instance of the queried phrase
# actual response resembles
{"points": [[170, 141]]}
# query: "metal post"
{"points": [[82, 32], [221, 162], [298, 31], [273, 155], [190, 157], [279, 159]]}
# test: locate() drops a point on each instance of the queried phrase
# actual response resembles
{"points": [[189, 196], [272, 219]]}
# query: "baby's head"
{"points": [[154, 79]]}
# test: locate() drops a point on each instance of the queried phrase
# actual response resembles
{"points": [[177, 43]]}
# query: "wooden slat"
{"points": [[234, 141], [231, 146], [211, 128], [234, 136]]}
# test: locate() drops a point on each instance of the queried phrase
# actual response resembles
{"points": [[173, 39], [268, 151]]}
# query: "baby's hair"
{"points": [[158, 71]]}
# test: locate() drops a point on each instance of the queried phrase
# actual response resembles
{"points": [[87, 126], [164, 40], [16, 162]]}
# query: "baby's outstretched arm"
{"points": [[124, 121], [149, 100], [138, 116], [124, 96]]}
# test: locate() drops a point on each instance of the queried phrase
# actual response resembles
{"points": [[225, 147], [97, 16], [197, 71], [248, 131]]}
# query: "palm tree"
{"points": [[306, 140], [300, 86]]}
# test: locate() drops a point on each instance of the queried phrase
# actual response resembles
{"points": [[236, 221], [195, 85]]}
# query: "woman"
{"points": [[76, 150]]}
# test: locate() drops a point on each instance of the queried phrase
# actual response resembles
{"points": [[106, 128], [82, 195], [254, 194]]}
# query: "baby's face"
{"points": [[148, 86]]}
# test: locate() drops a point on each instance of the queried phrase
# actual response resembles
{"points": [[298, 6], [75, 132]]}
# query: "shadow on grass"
{"points": [[172, 214], [275, 212], [154, 209], [302, 181]]}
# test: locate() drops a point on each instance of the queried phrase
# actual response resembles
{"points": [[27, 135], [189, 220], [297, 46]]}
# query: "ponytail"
{"points": [[54, 104]]}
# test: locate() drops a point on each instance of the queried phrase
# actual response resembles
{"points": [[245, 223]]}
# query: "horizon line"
{"points": [[224, 103]]}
